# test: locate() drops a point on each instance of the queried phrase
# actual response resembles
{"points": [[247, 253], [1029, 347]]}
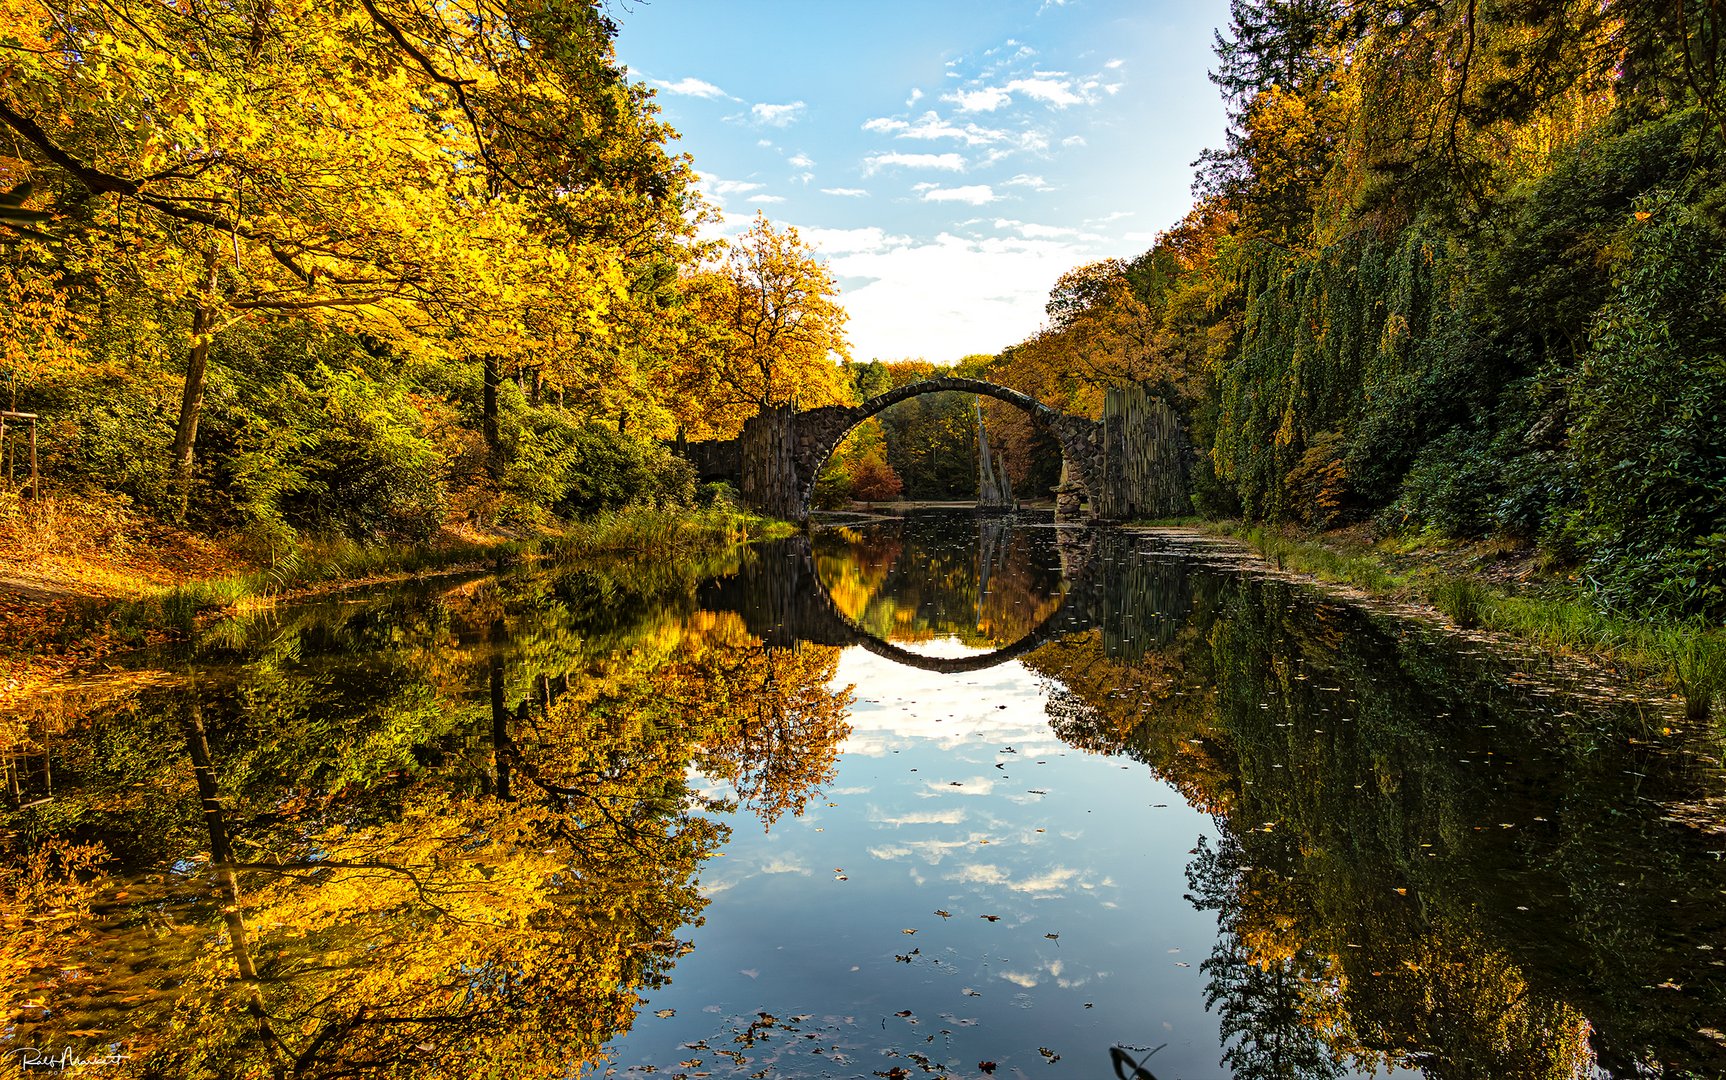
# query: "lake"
{"points": [[923, 796]]}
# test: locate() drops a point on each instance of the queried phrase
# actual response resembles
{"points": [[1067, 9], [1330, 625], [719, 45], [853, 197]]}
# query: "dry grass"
{"points": [[70, 546]]}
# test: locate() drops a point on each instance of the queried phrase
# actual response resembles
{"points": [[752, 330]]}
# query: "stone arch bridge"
{"points": [[1131, 463]]}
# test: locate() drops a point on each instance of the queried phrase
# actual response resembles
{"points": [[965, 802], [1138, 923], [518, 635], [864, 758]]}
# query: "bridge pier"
{"points": [[769, 482]]}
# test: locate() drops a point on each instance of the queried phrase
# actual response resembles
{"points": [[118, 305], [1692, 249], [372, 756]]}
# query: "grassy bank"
{"points": [[78, 583], [1553, 614], [316, 566]]}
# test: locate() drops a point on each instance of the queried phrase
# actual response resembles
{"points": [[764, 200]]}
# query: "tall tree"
{"points": [[776, 333]]}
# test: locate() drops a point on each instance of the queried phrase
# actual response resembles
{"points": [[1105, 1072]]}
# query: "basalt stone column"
{"points": [[769, 465], [1144, 471]]}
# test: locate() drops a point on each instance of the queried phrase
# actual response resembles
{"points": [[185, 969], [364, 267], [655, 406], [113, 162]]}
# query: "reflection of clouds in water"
{"points": [[930, 851], [1049, 969], [954, 816], [976, 785], [782, 865], [1048, 884], [950, 710]]}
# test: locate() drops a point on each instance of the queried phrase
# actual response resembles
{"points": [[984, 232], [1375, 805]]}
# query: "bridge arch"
{"points": [[817, 433], [783, 601]]}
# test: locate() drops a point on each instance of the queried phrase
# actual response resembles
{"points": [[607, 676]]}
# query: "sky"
{"points": [[950, 159]]}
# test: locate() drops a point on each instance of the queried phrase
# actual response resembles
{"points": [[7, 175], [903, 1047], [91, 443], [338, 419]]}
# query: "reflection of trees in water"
{"points": [[443, 834], [1428, 859], [976, 579], [1279, 1014]]}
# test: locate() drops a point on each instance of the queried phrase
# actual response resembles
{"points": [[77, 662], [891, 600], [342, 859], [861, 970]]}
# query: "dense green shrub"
{"points": [[1452, 487], [1649, 406], [575, 469]]}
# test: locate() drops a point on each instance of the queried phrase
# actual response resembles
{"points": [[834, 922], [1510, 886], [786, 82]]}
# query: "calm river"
{"points": [[929, 796]]}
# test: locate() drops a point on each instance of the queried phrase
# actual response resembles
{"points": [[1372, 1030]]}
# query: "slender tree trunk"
{"points": [[192, 394], [488, 409], [499, 714], [488, 399]]}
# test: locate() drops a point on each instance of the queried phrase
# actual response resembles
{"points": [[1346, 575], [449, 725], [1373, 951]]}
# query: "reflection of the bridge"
{"points": [[787, 595]]}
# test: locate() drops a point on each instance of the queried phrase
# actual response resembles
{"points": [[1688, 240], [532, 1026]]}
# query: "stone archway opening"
{"points": [[818, 433]]}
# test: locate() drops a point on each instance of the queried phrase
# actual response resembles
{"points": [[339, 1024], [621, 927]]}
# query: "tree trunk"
{"points": [[222, 866], [192, 393], [488, 399], [499, 714]]}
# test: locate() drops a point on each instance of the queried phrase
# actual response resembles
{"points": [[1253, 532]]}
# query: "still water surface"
{"points": [[912, 797]]}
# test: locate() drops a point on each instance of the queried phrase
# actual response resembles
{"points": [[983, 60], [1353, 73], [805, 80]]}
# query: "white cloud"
{"points": [[849, 241], [1027, 180], [692, 87], [949, 162], [931, 126], [716, 186], [775, 115], [1113, 64], [1073, 140], [766, 198], [1045, 232], [975, 194], [846, 192], [1037, 232], [983, 99], [947, 297], [916, 96], [801, 161], [1049, 89]]}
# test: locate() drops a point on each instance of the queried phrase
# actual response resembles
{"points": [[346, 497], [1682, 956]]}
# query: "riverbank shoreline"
{"points": [[1490, 590], [64, 616]]}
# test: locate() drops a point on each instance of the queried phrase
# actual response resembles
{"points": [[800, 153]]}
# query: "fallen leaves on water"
{"points": [[665, 1014], [944, 914], [987, 1066], [991, 918]]}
